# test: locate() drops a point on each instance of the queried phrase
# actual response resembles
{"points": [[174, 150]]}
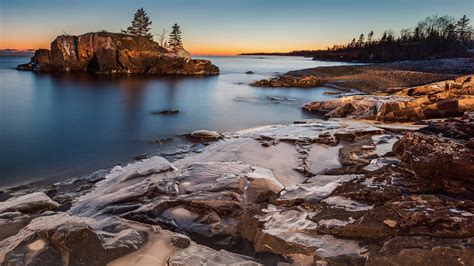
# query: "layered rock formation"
{"points": [[443, 99], [108, 53], [315, 192]]}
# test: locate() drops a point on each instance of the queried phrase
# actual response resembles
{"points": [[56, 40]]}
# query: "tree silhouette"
{"points": [[361, 41], [162, 37], [370, 36], [140, 25], [463, 28], [175, 38]]}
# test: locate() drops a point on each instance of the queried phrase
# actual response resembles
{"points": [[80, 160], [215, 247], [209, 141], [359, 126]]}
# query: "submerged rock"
{"points": [[110, 53], [166, 112]]}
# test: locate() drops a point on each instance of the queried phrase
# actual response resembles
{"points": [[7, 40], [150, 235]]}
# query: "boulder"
{"points": [[436, 158], [68, 240], [29, 203], [205, 135]]}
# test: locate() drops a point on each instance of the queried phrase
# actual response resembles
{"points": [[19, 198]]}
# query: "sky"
{"points": [[222, 27]]}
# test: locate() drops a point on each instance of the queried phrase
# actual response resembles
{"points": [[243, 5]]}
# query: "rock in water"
{"points": [[289, 81], [166, 112], [205, 135], [109, 53]]}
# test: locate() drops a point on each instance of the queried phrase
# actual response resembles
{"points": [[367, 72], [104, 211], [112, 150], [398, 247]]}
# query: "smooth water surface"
{"points": [[64, 125]]}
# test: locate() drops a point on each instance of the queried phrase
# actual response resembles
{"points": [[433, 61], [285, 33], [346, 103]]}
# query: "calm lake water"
{"points": [[61, 126]]}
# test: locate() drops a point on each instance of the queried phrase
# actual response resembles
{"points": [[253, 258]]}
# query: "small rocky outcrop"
{"points": [[290, 81], [110, 53], [437, 100]]}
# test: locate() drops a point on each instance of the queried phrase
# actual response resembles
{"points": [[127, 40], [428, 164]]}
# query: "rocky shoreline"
{"points": [[346, 191], [374, 77], [115, 53]]}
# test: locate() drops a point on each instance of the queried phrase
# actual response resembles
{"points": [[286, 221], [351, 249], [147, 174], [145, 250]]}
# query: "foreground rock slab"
{"points": [[336, 192]]}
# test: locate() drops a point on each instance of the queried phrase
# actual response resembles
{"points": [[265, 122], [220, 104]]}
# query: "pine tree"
{"points": [[353, 43], [175, 38], [140, 25], [370, 36], [361, 41], [463, 28]]}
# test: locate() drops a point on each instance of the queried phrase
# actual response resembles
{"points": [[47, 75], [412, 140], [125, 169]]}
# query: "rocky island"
{"points": [[115, 53]]}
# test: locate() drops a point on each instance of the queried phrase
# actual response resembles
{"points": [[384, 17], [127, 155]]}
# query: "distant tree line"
{"points": [[432, 37], [141, 27]]}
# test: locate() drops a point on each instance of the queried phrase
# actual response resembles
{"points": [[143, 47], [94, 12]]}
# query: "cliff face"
{"points": [[104, 52]]}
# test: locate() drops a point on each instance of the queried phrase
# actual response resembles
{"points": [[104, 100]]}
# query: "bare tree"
{"points": [[161, 37]]}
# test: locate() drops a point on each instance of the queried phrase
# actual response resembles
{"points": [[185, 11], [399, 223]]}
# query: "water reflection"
{"points": [[61, 125]]}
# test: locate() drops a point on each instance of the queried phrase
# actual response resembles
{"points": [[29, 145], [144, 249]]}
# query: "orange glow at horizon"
{"points": [[195, 49]]}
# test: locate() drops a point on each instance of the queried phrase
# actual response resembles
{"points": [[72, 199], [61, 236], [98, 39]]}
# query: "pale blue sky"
{"points": [[222, 26]]}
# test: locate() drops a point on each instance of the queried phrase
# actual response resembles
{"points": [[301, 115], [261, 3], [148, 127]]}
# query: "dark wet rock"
{"points": [[166, 112], [29, 203], [249, 72], [162, 140], [25, 67], [180, 241], [111, 53], [141, 157], [452, 128], [289, 81]]}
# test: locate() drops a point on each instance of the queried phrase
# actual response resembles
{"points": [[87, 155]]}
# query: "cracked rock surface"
{"points": [[335, 192]]}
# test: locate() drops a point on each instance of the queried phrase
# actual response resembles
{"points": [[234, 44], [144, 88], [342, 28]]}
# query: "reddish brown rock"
{"points": [[432, 157], [423, 250], [450, 98], [104, 52]]}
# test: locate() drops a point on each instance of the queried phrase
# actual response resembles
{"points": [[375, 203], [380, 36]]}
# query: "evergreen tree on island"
{"points": [[175, 38], [140, 25]]}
